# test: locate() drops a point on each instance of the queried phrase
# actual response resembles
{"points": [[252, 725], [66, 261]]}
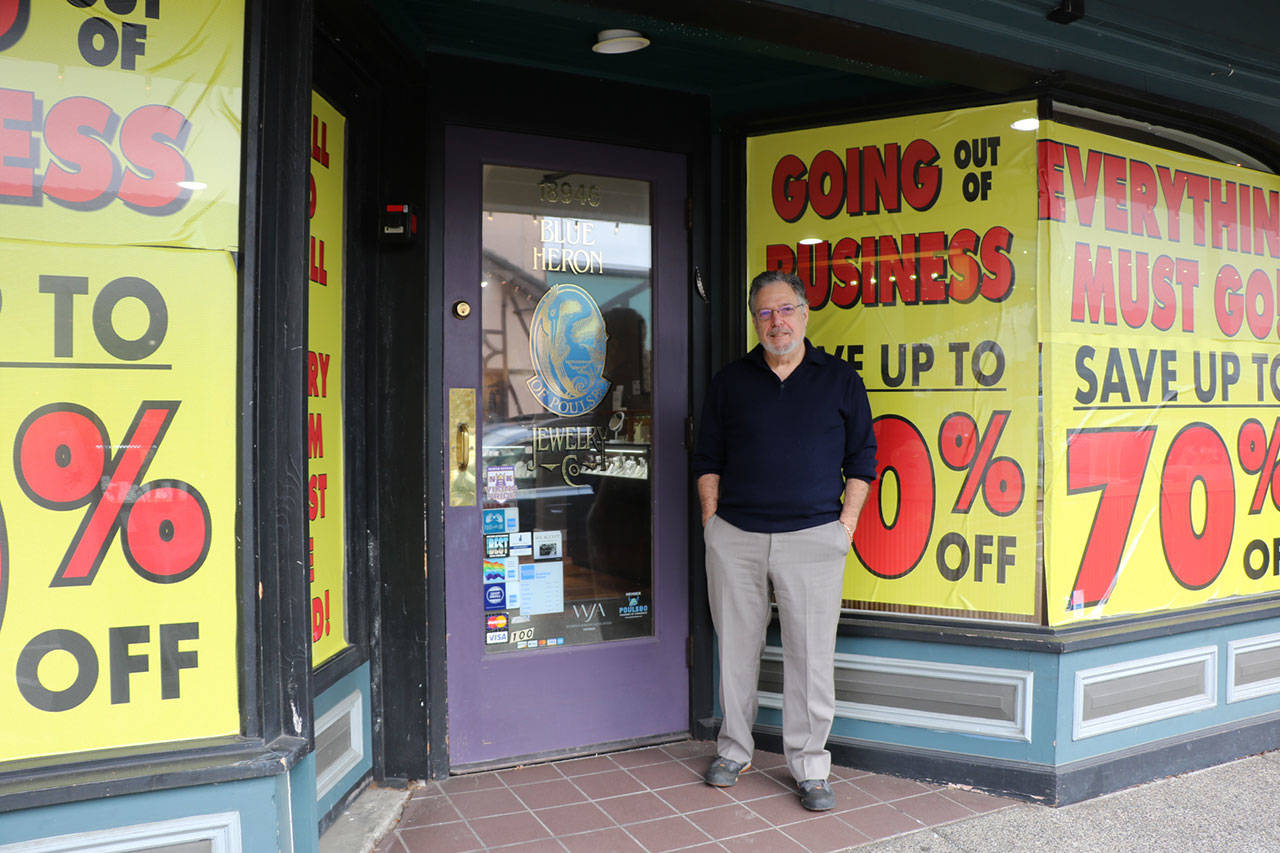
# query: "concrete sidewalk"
{"points": [[1231, 808]]}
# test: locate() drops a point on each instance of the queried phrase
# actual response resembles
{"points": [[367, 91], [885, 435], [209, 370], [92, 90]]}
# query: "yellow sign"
{"points": [[325, 433], [118, 579], [916, 240], [1161, 376], [119, 129], [123, 122]]}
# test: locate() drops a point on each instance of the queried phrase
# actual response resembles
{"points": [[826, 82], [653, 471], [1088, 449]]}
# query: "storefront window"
{"points": [[1073, 399], [119, 529], [326, 304]]}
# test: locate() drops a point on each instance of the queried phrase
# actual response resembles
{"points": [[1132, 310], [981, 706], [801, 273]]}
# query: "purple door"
{"points": [[565, 525]]}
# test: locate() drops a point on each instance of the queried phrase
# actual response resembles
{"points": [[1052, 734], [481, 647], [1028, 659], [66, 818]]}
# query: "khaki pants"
{"points": [[806, 569]]}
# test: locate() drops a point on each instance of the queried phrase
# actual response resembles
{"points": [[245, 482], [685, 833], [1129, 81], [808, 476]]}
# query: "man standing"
{"points": [[785, 433]]}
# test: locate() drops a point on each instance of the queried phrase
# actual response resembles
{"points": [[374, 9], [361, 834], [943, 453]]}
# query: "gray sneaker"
{"points": [[816, 795], [723, 773]]}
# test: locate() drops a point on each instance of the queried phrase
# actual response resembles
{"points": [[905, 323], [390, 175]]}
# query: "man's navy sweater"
{"points": [[783, 449]]}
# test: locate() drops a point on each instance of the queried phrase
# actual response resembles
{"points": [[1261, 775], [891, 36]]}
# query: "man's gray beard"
{"points": [[771, 349]]}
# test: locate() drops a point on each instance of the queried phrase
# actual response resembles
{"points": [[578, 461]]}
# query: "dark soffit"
{"points": [[697, 58]]}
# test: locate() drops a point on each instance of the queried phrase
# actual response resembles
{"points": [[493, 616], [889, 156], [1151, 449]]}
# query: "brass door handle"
{"points": [[462, 447]]}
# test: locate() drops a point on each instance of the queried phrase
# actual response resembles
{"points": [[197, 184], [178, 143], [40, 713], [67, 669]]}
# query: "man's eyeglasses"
{"points": [[783, 311]]}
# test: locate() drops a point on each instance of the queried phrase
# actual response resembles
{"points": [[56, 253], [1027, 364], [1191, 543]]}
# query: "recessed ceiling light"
{"points": [[619, 41]]}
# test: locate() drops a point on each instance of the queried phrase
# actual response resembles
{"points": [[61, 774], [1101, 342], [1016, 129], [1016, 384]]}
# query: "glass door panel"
{"points": [[566, 407]]}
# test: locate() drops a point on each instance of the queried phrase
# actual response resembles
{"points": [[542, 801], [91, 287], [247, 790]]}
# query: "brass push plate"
{"points": [[462, 447]]}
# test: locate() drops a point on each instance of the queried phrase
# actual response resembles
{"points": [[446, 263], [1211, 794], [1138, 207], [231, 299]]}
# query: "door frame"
{"points": [[411, 721]]}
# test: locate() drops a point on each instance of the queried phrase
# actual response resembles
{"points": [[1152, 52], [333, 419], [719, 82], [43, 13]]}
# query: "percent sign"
{"points": [[1258, 455], [61, 457], [999, 478]]}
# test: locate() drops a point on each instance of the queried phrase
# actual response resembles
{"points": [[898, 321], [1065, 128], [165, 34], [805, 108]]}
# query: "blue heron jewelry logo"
{"points": [[567, 346]]}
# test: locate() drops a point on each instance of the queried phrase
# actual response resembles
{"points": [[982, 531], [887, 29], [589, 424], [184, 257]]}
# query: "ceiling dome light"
{"points": [[619, 41]]}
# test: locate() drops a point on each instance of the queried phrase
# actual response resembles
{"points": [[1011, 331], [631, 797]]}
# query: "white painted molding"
{"points": [[351, 707], [222, 831], [1206, 657], [1022, 682], [1250, 689]]}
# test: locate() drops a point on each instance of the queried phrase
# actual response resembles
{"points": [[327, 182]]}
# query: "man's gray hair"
{"points": [[770, 277]]}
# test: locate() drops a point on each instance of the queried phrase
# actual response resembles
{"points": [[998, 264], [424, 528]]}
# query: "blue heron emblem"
{"points": [[566, 342]]}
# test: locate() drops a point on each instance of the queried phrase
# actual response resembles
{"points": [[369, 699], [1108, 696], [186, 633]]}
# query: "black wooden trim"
{"points": [[141, 769], [715, 341], [706, 728], [340, 665], [250, 218], [1081, 780], [704, 184], [354, 94], [731, 296], [437, 494], [373, 68], [277, 130], [399, 446], [887, 106]]}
